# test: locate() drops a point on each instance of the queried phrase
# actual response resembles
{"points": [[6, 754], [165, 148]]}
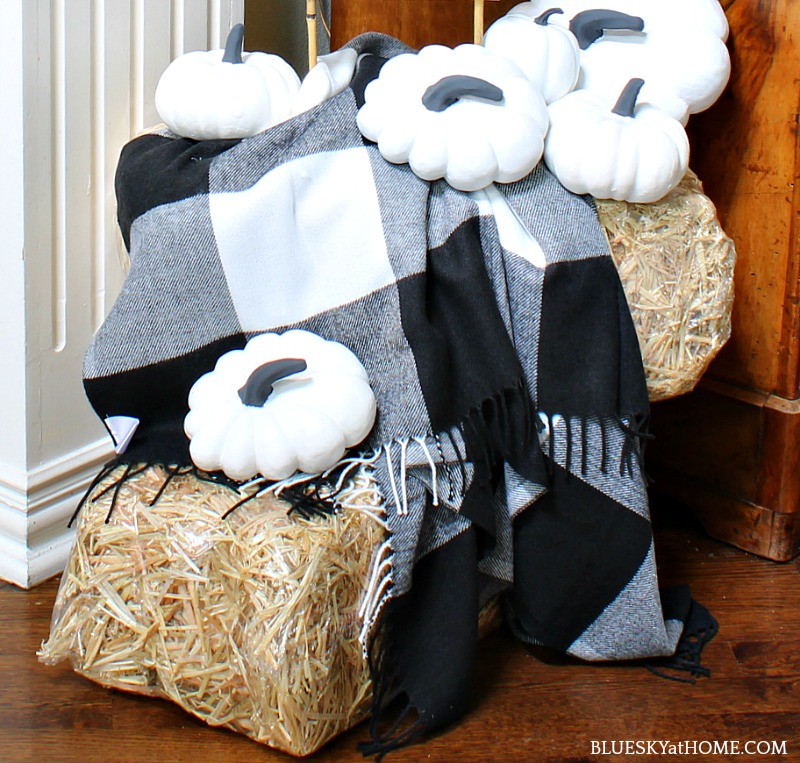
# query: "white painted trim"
{"points": [[96, 66], [35, 509], [27, 567]]}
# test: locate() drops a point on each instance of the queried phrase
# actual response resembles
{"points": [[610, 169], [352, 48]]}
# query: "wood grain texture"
{"points": [[731, 449], [733, 455], [745, 149], [415, 22], [530, 706]]}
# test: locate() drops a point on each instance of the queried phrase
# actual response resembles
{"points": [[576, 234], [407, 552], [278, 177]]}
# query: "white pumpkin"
{"points": [[285, 403], [632, 152], [331, 75], [462, 114], [680, 53], [546, 53], [214, 94]]}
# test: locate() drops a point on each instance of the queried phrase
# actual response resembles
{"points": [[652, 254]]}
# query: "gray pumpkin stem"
{"points": [[589, 26], [626, 103], [258, 386], [450, 89], [543, 18], [234, 45]]}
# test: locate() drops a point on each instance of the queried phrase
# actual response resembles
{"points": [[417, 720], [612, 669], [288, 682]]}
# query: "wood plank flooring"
{"points": [[529, 706]]}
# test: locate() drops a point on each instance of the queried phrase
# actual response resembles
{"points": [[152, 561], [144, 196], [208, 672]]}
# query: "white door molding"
{"points": [[76, 83]]}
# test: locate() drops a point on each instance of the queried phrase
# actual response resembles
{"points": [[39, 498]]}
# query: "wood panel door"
{"points": [[745, 148], [731, 449], [415, 22]]}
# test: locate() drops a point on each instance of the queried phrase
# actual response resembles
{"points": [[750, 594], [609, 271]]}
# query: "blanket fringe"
{"points": [[132, 470], [307, 494], [376, 594], [420, 458], [392, 723], [635, 433], [700, 628], [504, 428]]}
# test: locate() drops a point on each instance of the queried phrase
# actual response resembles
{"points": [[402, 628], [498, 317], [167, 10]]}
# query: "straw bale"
{"points": [[676, 267], [248, 622]]}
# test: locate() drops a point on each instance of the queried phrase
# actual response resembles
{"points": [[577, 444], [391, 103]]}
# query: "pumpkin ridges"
{"points": [[361, 408], [713, 61], [671, 155], [207, 440], [438, 147], [307, 422], [604, 140], [428, 156], [627, 167], [674, 143], [589, 149], [547, 54], [397, 139], [515, 165], [225, 93], [233, 364], [281, 81], [273, 449], [302, 425], [236, 455], [534, 108], [471, 159]]}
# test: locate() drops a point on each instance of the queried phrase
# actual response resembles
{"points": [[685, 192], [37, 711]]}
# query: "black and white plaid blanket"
{"points": [[493, 326]]}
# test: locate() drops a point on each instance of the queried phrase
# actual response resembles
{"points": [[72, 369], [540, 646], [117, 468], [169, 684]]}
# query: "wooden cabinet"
{"points": [[415, 22], [731, 449]]}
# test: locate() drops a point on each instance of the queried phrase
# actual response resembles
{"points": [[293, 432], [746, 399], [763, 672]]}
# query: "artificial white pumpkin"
{"points": [[332, 74], [632, 152], [285, 403], [680, 53], [462, 114], [546, 53], [213, 94]]}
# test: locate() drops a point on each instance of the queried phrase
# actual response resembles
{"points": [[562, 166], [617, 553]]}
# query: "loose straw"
{"points": [[311, 26], [676, 266], [250, 622]]}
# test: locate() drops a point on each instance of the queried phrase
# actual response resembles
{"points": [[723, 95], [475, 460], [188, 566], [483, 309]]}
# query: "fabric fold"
{"points": [[512, 405]]}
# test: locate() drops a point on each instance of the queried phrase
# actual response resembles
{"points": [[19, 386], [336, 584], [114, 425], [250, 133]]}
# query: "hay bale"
{"points": [[249, 622], [676, 266]]}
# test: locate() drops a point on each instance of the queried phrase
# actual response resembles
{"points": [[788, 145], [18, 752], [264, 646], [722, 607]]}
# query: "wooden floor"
{"points": [[529, 707]]}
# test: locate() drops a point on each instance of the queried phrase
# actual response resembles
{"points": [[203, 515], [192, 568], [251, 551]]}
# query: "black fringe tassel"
{"points": [[700, 628], [392, 724], [316, 498], [636, 436], [312, 499]]}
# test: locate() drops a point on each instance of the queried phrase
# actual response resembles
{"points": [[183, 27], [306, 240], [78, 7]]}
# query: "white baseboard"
{"points": [[35, 508]]}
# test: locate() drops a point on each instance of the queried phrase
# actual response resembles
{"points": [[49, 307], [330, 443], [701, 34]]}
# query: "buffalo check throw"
{"points": [[511, 398]]}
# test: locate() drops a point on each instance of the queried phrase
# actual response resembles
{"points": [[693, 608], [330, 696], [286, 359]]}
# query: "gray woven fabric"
{"points": [[307, 226]]}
